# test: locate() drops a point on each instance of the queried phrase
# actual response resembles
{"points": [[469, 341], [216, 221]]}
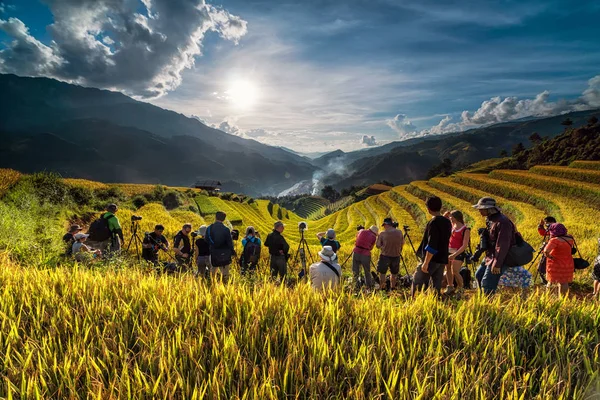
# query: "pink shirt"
{"points": [[456, 240], [365, 240]]}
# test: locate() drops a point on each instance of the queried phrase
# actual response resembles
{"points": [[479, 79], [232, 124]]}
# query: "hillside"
{"points": [[102, 135]]}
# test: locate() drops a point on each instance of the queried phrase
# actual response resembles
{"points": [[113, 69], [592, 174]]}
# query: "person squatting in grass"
{"points": [[183, 248], [390, 241], [559, 251], [328, 239], [251, 245], [69, 239], [202, 253], [154, 242], [327, 274], [81, 251], [459, 242], [279, 250], [433, 250], [113, 243], [365, 241], [502, 236], [218, 236]]}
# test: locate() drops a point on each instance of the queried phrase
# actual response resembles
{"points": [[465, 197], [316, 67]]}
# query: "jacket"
{"points": [[218, 236], [277, 244], [322, 277], [502, 237]]}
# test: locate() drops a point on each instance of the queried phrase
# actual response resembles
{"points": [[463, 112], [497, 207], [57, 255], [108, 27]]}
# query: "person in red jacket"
{"points": [[559, 255], [544, 224], [365, 240]]}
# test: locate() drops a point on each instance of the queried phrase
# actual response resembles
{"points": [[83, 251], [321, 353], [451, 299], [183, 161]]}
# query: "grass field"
{"points": [[117, 330]]}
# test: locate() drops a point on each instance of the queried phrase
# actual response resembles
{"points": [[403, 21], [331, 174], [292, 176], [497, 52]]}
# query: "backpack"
{"points": [[251, 252], [99, 230], [465, 273]]}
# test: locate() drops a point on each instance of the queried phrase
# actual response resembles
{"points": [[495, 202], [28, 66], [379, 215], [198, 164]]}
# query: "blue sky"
{"points": [[320, 75]]}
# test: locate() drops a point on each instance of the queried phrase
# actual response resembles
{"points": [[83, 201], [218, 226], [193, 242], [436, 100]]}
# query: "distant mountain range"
{"points": [[102, 135]]}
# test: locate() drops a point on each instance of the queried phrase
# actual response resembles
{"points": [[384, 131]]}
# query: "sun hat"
{"points": [[557, 229], [81, 236], [75, 228], [327, 254], [485, 203], [330, 234], [387, 221], [374, 229], [202, 230]]}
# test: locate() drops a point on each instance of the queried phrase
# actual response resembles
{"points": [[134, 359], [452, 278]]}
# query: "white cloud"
{"points": [[368, 140], [401, 124], [150, 54]]}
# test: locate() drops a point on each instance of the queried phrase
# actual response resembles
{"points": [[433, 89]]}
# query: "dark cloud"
{"points": [[368, 140], [105, 43]]}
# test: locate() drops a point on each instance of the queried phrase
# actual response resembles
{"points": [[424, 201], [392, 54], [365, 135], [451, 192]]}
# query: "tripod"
{"points": [[301, 253], [135, 238], [543, 257]]}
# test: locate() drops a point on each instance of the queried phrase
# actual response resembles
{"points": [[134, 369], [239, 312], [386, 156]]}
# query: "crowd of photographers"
{"points": [[443, 253]]}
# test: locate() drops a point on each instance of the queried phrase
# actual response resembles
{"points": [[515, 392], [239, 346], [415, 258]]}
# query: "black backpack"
{"points": [[99, 230], [251, 252], [465, 273]]}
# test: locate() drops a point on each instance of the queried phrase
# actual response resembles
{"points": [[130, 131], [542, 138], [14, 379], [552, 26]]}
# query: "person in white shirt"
{"points": [[326, 274]]}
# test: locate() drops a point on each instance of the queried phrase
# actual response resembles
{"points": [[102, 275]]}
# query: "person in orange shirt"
{"points": [[559, 255]]}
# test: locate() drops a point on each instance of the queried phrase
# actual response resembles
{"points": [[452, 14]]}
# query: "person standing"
{"points": [[390, 241], [459, 241], [560, 266], [328, 239], [327, 274], [278, 249], [69, 239], [183, 248], [251, 245], [202, 252], [365, 241], [433, 249], [218, 236], [502, 236], [544, 224]]}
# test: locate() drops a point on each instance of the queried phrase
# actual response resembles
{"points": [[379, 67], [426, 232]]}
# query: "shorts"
{"points": [[385, 262], [596, 271], [460, 257]]}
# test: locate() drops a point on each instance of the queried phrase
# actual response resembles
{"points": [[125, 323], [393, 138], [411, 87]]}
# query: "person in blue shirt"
{"points": [[251, 250], [328, 239]]}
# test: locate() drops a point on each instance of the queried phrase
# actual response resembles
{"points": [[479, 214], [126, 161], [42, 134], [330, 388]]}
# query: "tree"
{"points": [[593, 120], [442, 169], [518, 149], [535, 138], [386, 183], [330, 193], [504, 153], [566, 123]]}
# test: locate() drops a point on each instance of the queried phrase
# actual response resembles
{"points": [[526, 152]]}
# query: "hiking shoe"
{"points": [[450, 290]]}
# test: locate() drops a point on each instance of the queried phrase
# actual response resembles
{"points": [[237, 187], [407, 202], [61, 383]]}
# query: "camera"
{"points": [[235, 234], [484, 244], [395, 224], [360, 228], [302, 226], [194, 234], [136, 218]]}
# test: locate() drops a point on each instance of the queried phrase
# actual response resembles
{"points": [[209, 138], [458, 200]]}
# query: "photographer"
{"points": [[278, 249], [218, 236], [501, 236], [327, 274], [105, 232], [69, 239], [365, 241], [328, 239], [203, 249], [183, 248], [544, 225], [81, 251], [152, 243], [433, 249], [251, 244], [390, 241]]}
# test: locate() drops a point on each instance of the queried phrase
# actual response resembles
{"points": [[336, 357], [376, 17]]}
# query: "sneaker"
{"points": [[450, 290]]}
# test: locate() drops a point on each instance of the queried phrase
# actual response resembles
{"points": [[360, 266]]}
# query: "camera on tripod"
{"points": [[302, 226], [360, 228], [135, 218], [235, 234], [485, 243], [395, 224], [194, 234]]}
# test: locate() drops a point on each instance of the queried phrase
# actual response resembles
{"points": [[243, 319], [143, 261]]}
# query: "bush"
{"points": [[139, 201], [111, 195], [49, 187], [172, 199], [82, 196]]}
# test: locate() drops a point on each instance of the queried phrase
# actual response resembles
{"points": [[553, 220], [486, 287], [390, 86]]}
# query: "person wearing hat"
{"points": [[502, 235], [69, 239], [278, 250], [434, 249], [559, 258], [113, 243], [251, 245], [361, 254], [327, 274], [81, 251], [152, 243], [203, 252], [390, 241], [328, 239]]}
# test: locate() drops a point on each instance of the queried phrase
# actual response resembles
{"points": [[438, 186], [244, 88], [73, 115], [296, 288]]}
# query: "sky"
{"points": [[315, 76]]}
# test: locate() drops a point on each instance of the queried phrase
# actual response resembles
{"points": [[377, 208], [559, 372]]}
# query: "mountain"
{"points": [[402, 162], [128, 140]]}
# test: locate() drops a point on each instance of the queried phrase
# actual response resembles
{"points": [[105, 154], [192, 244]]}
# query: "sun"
{"points": [[243, 93]]}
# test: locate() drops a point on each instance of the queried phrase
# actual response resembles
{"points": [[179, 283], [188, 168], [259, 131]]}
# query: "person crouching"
{"points": [[326, 274]]}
